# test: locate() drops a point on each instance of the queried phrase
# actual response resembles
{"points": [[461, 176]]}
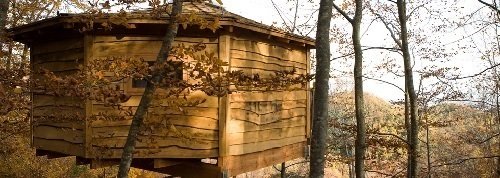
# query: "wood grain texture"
{"points": [[269, 50], [151, 142], [188, 121], [210, 101], [59, 146], [122, 131], [265, 145], [143, 47], [268, 106], [65, 111], [267, 96], [266, 118], [71, 55], [209, 112], [275, 65], [55, 46], [56, 133], [237, 126], [239, 164], [255, 56], [49, 100], [165, 152], [265, 135], [65, 125]]}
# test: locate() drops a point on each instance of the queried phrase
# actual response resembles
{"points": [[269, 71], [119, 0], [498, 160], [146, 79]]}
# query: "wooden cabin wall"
{"points": [[189, 134], [260, 121], [58, 121]]}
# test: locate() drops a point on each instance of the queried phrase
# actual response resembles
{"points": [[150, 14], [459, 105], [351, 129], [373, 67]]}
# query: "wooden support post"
{"points": [[88, 43], [224, 117]]}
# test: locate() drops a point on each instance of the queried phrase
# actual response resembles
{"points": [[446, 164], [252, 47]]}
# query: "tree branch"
{"points": [[390, 134], [477, 74], [397, 50], [387, 26], [386, 82], [490, 6], [349, 19], [460, 161], [489, 138], [279, 13]]}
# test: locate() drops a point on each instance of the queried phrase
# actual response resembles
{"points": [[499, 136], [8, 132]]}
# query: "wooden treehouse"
{"points": [[242, 132]]}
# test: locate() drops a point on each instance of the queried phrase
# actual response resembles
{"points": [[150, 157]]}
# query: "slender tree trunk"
{"points": [[137, 120], [320, 125], [497, 108], [428, 145], [413, 142], [360, 145], [283, 170], [4, 8], [408, 132]]}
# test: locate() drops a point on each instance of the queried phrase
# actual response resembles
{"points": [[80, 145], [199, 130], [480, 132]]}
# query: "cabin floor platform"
{"points": [[221, 167]]}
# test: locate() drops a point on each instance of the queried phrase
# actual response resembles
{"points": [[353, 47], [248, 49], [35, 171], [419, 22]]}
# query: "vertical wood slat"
{"points": [[308, 96], [32, 67], [88, 43], [224, 114]]}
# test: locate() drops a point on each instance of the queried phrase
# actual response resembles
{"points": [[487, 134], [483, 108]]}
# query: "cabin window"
{"points": [[176, 74]]}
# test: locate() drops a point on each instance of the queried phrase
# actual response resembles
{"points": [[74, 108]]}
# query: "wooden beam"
{"points": [[100, 163], [224, 55], [88, 43], [192, 170], [240, 164], [50, 154], [308, 95], [161, 163]]}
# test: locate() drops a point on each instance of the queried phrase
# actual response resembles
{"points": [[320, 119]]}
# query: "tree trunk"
{"points": [[4, 8], [413, 142], [321, 87], [360, 145], [497, 108], [283, 170], [408, 132], [147, 97], [428, 144]]}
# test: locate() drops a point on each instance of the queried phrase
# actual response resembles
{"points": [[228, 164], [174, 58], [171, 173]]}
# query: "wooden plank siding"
{"points": [[190, 133], [58, 120], [259, 120]]}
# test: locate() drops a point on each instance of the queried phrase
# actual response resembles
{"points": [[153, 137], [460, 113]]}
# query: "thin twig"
{"points": [[477, 74]]}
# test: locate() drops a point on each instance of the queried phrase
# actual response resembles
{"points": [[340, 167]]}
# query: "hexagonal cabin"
{"points": [[244, 131]]}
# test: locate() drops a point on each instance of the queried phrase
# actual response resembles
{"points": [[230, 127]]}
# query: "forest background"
{"points": [[454, 44]]}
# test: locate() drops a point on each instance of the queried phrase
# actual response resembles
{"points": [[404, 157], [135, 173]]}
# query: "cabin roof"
{"points": [[207, 10]]}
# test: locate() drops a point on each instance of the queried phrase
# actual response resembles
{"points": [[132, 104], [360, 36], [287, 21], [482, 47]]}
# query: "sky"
{"points": [[467, 60], [374, 34]]}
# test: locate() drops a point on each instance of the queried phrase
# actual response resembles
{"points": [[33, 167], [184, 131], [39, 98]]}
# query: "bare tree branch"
{"points": [[461, 161], [490, 5], [279, 13], [349, 19], [390, 134], [489, 138], [386, 82], [477, 74], [396, 50], [387, 26]]}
